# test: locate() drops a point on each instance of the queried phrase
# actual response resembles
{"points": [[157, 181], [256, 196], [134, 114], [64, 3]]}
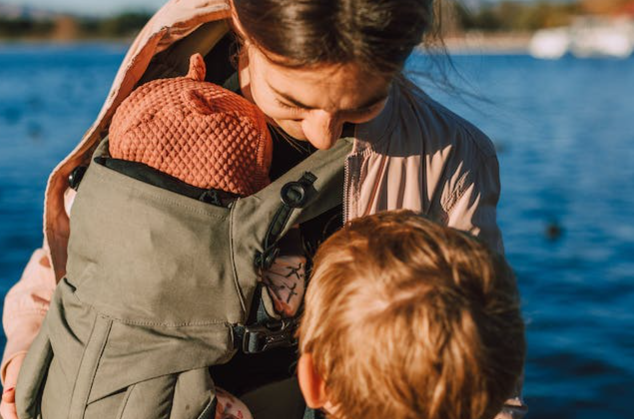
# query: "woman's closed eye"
{"points": [[352, 114], [288, 106], [365, 114], [367, 110]]}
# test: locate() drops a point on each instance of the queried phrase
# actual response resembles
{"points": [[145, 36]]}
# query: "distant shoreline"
{"points": [[70, 41], [471, 43], [485, 43]]}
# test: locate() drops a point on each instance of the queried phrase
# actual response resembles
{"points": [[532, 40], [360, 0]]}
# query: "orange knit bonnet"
{"points": [[195, 131]]}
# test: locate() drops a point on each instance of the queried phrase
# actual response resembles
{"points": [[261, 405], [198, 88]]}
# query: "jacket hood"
{"points": [[174, 21]]}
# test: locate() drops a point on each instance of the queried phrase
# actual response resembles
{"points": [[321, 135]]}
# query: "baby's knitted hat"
{"points": [[195, 131]]}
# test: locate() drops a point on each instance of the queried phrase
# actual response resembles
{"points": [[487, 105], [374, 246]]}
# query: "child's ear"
{"points": [[312, 385]]}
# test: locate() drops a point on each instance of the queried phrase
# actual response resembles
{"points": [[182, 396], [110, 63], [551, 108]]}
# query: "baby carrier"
{"points": [[160, 287]]}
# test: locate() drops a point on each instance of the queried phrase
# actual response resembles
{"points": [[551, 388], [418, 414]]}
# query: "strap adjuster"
{"points": [[262, 337]]}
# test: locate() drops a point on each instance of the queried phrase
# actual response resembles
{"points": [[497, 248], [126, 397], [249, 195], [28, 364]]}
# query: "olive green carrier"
{"points": [[160, 287]]}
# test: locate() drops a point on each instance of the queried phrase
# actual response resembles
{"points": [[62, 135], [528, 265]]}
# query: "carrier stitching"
{"points": [[241, 297], [169, 325], [178, 204], [141, 323]]}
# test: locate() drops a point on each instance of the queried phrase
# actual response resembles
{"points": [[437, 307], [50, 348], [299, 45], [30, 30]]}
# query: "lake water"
{"points": [[565, 137]]}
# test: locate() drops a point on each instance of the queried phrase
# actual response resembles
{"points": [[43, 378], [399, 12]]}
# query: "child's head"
{"points": [[195, 131], [407, 319]]}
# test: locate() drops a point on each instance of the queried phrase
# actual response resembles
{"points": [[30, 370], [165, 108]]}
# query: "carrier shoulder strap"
{"points": [[303, 193]]}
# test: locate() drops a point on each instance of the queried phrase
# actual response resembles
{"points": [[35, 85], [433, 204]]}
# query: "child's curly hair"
{"points": [[408, 319]]}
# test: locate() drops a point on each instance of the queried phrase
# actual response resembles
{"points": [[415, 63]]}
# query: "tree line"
{"points": [[514, 16], [504, 16], [124, 25]]}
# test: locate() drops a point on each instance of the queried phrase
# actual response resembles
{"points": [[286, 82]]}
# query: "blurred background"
{"points": [[552, 83]]}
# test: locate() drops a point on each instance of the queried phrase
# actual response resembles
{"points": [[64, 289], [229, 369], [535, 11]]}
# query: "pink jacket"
{"points": [[416, 154]]}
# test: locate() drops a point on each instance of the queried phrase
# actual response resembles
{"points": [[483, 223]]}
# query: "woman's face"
{"points": [[311, 104]]}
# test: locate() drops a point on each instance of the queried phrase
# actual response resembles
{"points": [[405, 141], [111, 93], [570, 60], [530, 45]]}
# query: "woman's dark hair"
{"points": [[377, 34]]}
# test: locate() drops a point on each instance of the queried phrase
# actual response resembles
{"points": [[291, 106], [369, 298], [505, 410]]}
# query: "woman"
{"points": [[315, 68]]}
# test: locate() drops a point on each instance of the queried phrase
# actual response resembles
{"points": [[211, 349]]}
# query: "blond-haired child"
{"points": [[408, 319]]}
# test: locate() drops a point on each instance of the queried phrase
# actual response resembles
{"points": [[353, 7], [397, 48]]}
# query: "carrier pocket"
{"points": [[46, 379], [153, 373], [186, 395]]}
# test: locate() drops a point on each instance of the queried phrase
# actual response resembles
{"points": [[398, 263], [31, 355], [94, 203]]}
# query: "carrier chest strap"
{"points": [[293, 195], [271, 333]]}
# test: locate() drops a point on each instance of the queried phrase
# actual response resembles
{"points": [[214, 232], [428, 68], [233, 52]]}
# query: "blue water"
{"points": [[565, 138]]}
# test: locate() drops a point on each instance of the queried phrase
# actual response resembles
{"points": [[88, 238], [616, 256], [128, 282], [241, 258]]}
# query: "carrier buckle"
{"points": [[76, 176], [294, 194], [262, 337]]}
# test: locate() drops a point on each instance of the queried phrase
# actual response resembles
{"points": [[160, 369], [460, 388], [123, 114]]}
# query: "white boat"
{"points": [[599, 38], [550, 44], [587, 37]]}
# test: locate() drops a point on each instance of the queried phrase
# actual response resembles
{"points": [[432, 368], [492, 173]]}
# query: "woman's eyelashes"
{"points": [[288, 106], [366, 114], [348, 115], [365, 111]]}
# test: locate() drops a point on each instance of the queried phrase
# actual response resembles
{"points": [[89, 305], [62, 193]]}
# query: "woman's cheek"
{"points": [[292, 128], [286, 119], [269, 107], [278, 114]]}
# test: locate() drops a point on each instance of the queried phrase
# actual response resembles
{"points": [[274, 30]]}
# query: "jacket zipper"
{"points": [[346, 189]]}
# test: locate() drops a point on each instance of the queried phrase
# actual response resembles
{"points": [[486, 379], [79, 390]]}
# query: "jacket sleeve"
{"points": [[26, 305], [471, 206], [473, 209]]}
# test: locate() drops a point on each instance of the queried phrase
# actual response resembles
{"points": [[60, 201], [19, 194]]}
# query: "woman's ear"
{"points": [[311, 383]]}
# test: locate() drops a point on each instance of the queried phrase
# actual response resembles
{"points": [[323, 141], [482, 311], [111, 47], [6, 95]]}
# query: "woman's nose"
{"points": [[322, 129]]}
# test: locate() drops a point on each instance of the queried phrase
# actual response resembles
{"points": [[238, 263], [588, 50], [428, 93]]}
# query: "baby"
{"points": [[197, 132], [407, 319]]}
